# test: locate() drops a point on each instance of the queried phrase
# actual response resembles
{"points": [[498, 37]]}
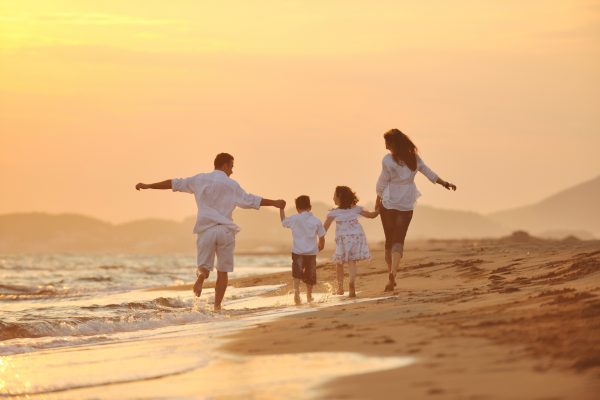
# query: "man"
{"points": [[217, 195]]}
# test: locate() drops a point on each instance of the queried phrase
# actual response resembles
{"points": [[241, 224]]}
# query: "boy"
{"points": [[305, 230]]}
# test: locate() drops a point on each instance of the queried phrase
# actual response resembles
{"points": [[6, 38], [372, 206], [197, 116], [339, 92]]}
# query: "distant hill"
{"points": [[261, 231], [40, 232], [576, 209]]}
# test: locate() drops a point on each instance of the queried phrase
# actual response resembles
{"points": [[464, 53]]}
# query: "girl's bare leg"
{"points": [[352, 274], [340, 278]]}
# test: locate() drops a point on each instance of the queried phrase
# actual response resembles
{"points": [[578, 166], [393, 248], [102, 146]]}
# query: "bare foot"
{"points": [[297, 299], [198, 285], [391, 284]]}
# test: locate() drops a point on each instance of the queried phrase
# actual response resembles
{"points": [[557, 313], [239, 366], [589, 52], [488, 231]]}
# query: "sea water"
{"points": [[88, 327]]}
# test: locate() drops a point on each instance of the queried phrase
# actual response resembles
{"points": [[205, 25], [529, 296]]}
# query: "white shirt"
{"points": [[346, 221], [305, 229], [396, 184], [217, 195]]}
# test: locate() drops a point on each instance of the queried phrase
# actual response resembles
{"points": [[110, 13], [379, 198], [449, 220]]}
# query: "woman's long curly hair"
{"points": [[402, 148], [346, 196]]}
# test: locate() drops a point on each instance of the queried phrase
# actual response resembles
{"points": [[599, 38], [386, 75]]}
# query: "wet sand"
{"points": [[492, 319]]}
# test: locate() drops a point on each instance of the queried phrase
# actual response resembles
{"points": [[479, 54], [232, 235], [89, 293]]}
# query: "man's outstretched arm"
{"points": [[272, 203], [158, 185]]}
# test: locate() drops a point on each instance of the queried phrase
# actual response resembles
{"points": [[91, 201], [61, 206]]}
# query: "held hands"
{"points": [[141, 186], [280, 204]]}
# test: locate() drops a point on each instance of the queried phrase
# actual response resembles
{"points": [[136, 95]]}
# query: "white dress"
{"points": [[350, 239]]}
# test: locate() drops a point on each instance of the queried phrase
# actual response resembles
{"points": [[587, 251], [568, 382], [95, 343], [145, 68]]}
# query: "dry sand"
{"points": [[491, 319]]}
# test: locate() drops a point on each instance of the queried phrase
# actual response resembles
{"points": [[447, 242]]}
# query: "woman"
{"points": [[397, 194]]}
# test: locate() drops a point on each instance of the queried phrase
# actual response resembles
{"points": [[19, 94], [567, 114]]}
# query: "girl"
{"points": [[397, 194], [350, 240]]}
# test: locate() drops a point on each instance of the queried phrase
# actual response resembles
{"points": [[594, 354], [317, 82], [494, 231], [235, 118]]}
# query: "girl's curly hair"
{"points": [[347, 197]]}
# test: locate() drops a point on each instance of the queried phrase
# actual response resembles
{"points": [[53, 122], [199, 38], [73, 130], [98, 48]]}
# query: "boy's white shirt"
{"points": [[305, 230]]}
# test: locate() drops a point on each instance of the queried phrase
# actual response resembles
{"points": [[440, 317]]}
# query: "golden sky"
{"points": [[501, 97]]}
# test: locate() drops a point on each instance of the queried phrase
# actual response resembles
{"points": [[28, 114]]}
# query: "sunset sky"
{"points": [[501, 97]]}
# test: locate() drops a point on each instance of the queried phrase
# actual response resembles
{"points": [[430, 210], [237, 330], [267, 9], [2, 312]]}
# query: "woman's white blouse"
{"points": [[396, 184]]}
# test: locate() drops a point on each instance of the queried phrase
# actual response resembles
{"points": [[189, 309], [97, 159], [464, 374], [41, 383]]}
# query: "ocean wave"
{"points": [[153, 314], [18, 292], [160, 303], [95, 279], [20, 346]]}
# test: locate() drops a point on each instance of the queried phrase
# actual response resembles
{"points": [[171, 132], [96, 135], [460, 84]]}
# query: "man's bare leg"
{"points": [[352, 276], [202, 275], [340, 278], [297, 300], [220, 287]]}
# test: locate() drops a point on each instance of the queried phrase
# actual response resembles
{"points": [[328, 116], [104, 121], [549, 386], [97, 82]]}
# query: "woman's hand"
{"points": [[449, 186]]}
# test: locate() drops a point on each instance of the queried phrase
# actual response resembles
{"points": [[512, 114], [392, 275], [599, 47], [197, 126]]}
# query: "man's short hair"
{"points": [[303, 202], [222, 158]]}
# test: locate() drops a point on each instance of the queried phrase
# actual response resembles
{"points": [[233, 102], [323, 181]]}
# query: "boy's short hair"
{"points": [[303, 202], [222, 158]]}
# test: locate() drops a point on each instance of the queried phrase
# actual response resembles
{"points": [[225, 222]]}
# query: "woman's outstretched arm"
{"points": [[445, 184], [432, 176]]}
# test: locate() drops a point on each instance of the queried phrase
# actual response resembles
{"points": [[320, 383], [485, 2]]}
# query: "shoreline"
{"points": [[477, 314]]}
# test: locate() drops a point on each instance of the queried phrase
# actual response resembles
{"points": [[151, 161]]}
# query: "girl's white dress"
{"points": [[350, 239]]}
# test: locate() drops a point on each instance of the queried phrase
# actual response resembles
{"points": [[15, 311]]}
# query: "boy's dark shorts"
{"points": [[305, 267]]}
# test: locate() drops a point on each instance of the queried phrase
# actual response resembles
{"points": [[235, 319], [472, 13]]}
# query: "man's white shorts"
{"points": [[217, 240]]}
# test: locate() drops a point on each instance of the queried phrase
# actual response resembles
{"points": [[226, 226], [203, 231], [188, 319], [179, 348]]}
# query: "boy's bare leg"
{"points": [[220, 287], [340, 278], [202, 275], [309, 289], [352, 275], [297, 291]]}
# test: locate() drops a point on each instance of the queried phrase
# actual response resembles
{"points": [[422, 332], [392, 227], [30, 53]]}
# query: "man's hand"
{"points": [[280, 204], [141, 186]]}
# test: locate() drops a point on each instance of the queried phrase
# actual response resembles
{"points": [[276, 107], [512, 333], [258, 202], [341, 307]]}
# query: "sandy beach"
{"points": [[516, 318]]}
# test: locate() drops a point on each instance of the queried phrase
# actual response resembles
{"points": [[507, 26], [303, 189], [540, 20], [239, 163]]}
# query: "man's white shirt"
{"points": [[217, 195]]}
